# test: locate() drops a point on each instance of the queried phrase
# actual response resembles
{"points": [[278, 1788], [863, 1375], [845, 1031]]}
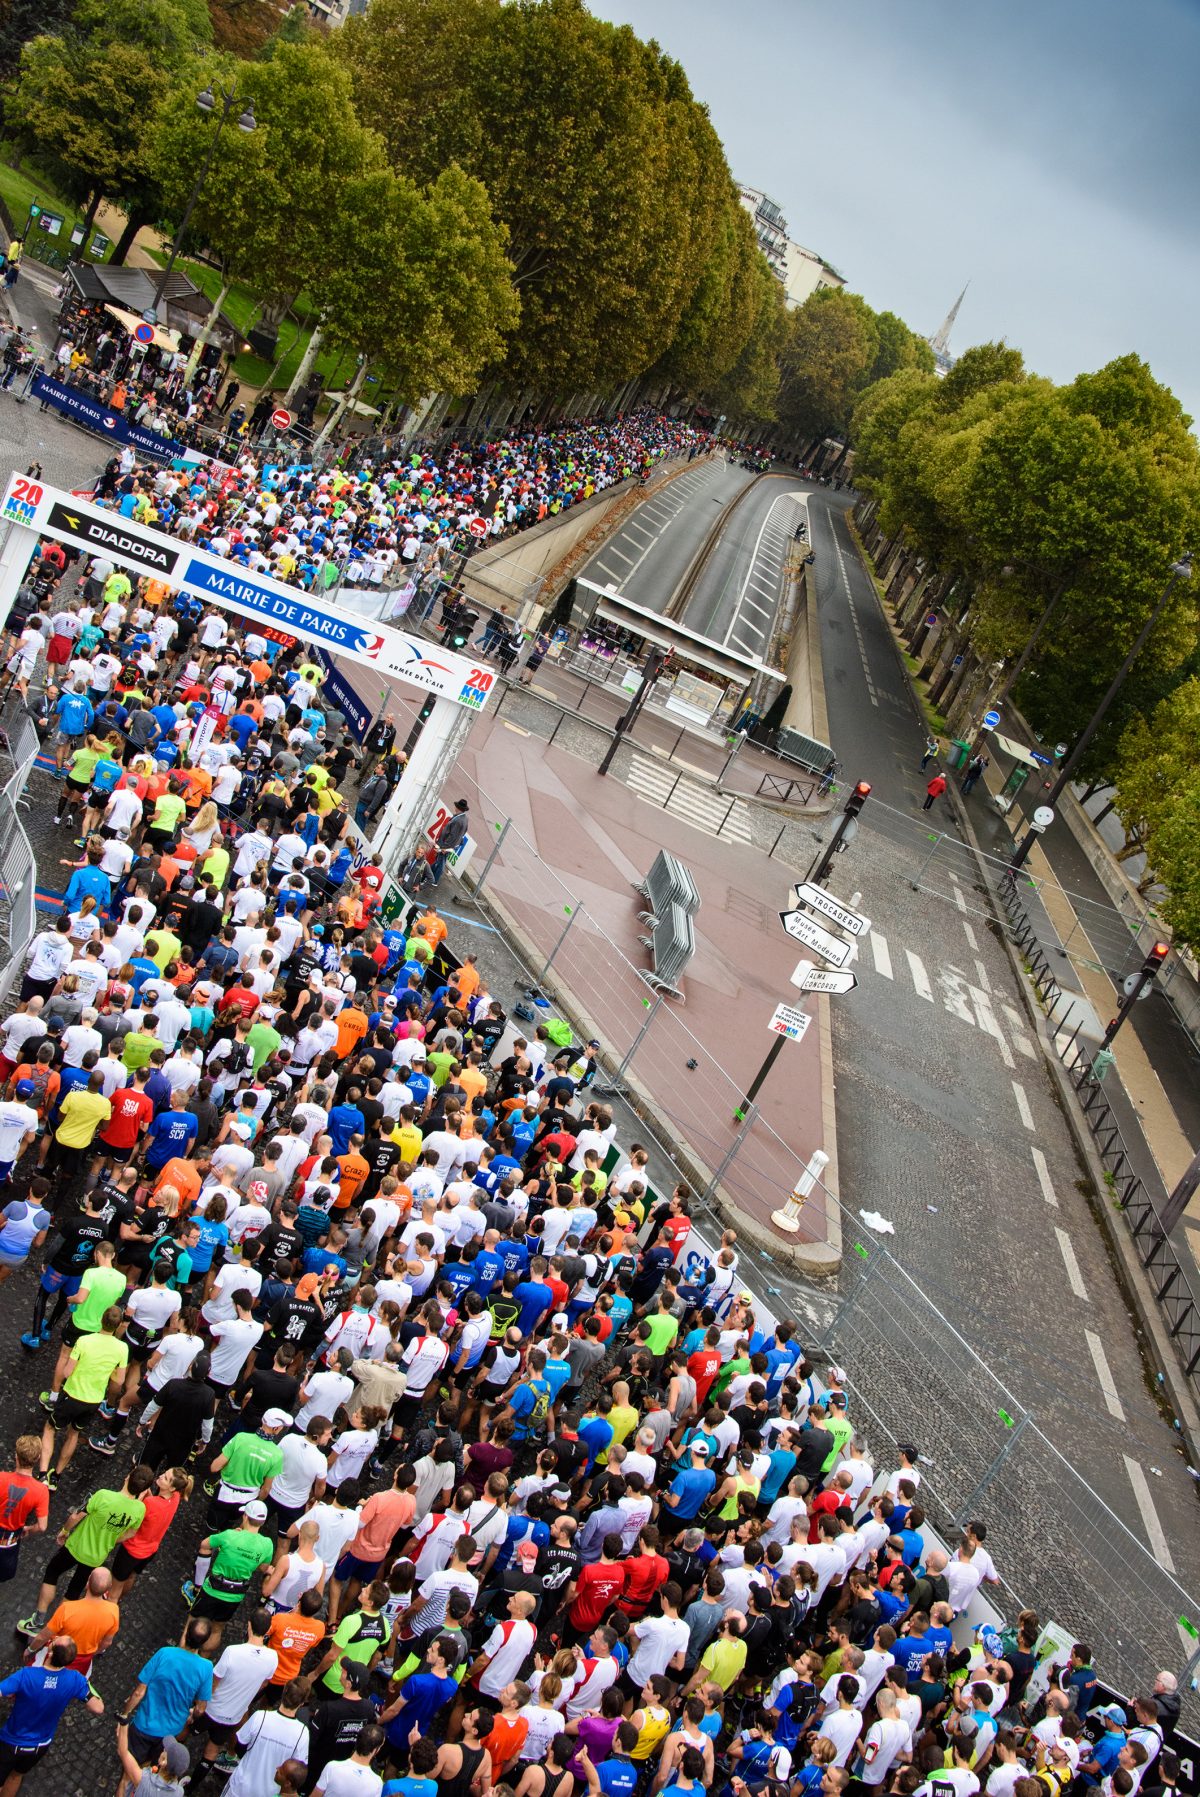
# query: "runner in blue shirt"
{"points": [[172, 1133], [88, 882], [40, 1696], [514, 1255]]}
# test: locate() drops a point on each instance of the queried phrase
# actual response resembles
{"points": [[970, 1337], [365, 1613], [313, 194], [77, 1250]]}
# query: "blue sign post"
{"points": [[990, 719]]}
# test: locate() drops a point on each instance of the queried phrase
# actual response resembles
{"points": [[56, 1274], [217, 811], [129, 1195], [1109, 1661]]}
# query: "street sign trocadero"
{"points": [[834, 949], [818, 899]]}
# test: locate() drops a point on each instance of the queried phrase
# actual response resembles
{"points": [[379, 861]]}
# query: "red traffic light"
{"points": [[863, 789], [1159, 952]]}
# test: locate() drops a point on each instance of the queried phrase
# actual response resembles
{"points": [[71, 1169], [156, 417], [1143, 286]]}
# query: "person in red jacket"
{"points": [[934, 790]]}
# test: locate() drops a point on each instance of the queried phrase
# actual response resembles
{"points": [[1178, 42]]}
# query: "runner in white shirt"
{"points": [[883, 1743], [231, 1277], [324, 1394], [238, 1677], [49, 957]]}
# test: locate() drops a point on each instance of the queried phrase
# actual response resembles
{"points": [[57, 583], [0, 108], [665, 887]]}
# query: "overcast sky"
{"points": [[1046, 151]]}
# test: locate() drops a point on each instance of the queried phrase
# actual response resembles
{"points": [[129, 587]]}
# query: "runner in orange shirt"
{"points": [[351, 1028], [432, 927], [353, 1170], [185, 1176]]}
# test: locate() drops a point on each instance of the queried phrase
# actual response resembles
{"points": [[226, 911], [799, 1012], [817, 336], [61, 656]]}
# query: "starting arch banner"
{"points": [[52, 512]]}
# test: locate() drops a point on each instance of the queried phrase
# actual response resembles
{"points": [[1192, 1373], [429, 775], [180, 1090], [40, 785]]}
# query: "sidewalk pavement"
{"points": [[563, 879]]}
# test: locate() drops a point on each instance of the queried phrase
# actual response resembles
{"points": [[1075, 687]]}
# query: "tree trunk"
{"points": [[300, 378], [206, 331], [89, 217], [125, 240], [340, 405], [1104, 809]]}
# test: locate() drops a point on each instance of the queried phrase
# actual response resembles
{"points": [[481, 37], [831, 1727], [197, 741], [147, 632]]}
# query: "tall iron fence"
{"points": [[1161, 1260]]}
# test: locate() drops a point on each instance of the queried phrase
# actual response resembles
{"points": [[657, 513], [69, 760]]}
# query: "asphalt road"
{"points": [[949, 1128], [737, 596]]}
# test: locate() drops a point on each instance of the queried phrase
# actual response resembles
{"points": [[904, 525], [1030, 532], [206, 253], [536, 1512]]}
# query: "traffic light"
{"points": [[858, 798], [1152, 965], [460, 634]]}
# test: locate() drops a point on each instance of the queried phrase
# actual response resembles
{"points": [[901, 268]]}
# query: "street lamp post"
{"points": [[207, 102], [1180, 570]]}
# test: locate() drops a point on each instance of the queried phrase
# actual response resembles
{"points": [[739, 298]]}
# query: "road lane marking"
{"points": [[613, 550], [959, 900], [1022, 1104], [882, 954], [1044, 1180], [1067, 1249], [1104, 1374], [1016, 1024], [1145, 1503], [969, 933], [920, 978], [981, 970], [986, 1018]]}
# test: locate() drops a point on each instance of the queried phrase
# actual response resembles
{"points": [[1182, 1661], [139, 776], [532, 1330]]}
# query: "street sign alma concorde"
{"points": [[817, 899], [834, 949], [822, 979]]}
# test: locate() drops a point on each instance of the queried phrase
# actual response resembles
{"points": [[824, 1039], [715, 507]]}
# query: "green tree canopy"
{"points": [[605, 173], [265, 208], [417, 282], [86, 101]]}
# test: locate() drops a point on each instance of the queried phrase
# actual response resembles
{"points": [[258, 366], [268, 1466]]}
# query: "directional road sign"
{"points": [[822, 979], [990, 719], [834, 949], [789, 1022], [818, 899]]}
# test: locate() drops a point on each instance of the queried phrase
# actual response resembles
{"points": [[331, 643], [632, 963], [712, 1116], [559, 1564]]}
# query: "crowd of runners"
{"points": [[320, 1264]]}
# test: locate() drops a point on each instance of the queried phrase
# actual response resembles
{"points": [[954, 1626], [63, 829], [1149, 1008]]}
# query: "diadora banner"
{"points": [[102, 419], [55, 513]]}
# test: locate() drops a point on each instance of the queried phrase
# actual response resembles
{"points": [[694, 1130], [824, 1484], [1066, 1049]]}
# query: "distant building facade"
{"points": [[806, 273], [770, 227]]}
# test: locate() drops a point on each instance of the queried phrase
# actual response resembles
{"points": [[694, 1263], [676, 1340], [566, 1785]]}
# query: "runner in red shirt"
{"points": [[239, 999], [704, 1365], [597, 1587], [645, 1570], [24, 1504], [132, 1115], [677, 1228]]}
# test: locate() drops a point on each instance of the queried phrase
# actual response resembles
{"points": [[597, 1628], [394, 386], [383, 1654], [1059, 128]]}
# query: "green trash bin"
{"points": [[960, 754]]}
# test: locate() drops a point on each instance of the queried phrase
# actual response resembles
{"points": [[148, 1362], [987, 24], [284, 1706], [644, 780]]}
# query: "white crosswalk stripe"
{"points": [[970, 1002], [687, 799], [920, 978]]}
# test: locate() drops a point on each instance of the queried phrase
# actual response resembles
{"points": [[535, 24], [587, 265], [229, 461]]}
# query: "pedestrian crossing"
{"points": [[661, 784], [967, 997]]}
